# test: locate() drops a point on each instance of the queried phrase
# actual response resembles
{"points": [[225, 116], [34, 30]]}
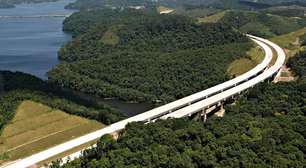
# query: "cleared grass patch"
{"points": [[21, 126], [212, 18], [52, 140], [42, 132], [256, 54], [242, 65], [290, 42], [37, 127], [36, 110], [110, 37], [264, 30]]}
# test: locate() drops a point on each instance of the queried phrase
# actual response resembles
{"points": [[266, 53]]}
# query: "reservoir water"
{"points": [[30, 44]]}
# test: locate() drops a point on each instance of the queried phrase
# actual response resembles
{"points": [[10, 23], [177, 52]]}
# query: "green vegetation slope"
{"points": [[141, 56]]}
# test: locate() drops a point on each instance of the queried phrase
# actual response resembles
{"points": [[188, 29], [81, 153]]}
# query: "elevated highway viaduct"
{"points": [[187, 106]]}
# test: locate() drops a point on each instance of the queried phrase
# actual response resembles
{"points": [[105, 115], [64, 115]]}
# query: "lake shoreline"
{"points": [[31, 35]]}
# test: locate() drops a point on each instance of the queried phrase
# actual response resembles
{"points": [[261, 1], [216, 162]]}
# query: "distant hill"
{"points": [[275, 2], [223, 4], [12, 3], [262, 24], [288, 11]]}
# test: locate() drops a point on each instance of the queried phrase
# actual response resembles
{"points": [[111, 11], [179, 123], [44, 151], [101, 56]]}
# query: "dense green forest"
{"points": [[153, 76], [12, 3], [298, 64], [142, 56], [235, 141], [265, 128], [16, 87], [245, 137]]}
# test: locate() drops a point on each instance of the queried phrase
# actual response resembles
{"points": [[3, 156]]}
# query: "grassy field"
{"points": [[212, 18], [263, 29], [290, 42], [36, 127], [242, 65], [110, 37]]}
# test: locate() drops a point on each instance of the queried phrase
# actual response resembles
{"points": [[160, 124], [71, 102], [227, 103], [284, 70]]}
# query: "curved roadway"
{"points": [[179, 108], [270, 72]]}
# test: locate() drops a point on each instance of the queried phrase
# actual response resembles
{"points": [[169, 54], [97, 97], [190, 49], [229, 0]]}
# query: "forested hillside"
{"points": [[265, 128], [17, 87], [141, 56], [276, 18], [147, 76], [107, 31]]}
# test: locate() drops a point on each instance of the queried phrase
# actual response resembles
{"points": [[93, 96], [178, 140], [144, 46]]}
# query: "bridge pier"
{"points": [[276, 76], [217, 110], [115, 135], [204, 113], [221, 112]]}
